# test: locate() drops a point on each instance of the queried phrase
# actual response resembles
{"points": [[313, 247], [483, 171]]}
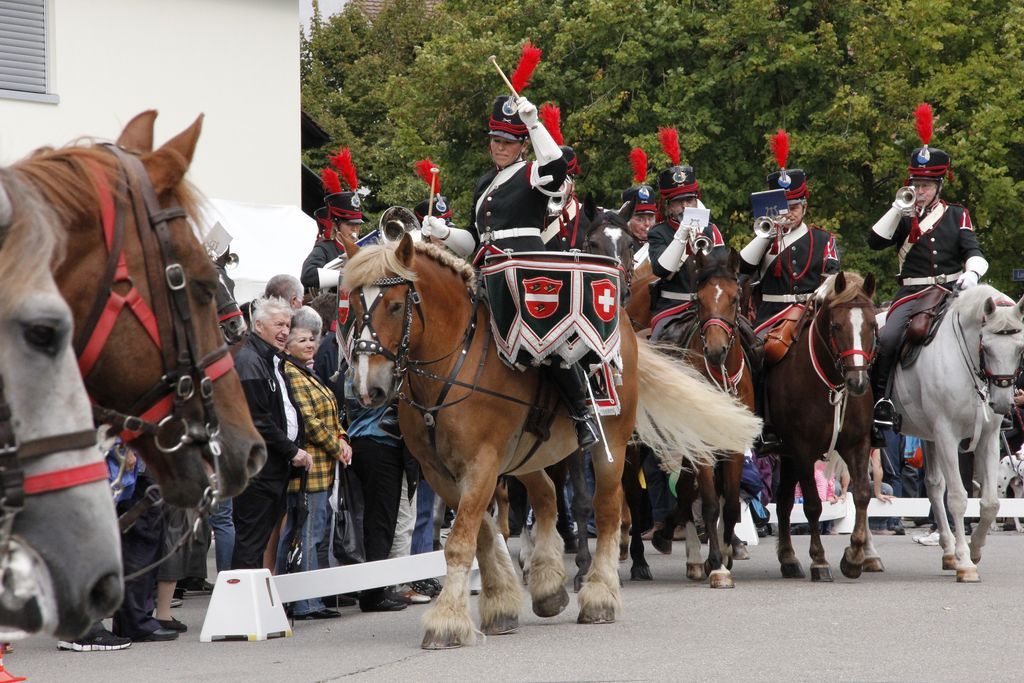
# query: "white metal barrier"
{"points": [[247, 604], [846, 513]]}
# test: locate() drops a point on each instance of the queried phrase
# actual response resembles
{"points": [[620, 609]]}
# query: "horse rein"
{"points": [[171, 327]]}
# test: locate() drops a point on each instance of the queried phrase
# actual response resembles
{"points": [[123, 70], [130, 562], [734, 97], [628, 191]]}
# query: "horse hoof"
{"points": [[721, 578], [662, 545], [695, 571], [640, 573], [873, 564], [435, 641], [949, 561], [552, 605], [623, 553], [849, 569], [822, 573], [792, 570], [597, 615], [968, 575], [740, 552], [501, 625], [577, 583]]}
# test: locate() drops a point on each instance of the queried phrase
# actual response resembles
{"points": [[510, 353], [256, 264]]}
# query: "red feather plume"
{"points": [[780, 147], [332, 184], [423, 167], [528, 61], [551, 117], [638, 160], [343, 162], [669, 139], [923, 116]]}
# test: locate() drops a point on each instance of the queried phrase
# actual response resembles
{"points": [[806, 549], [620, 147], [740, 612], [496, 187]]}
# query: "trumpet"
{"points": [[394, 223], [699, 241], [906, 198], [764, 226]]}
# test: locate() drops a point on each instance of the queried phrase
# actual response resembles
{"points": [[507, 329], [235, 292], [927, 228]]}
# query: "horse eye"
{"points": [[203, 291], [42, 337], [394, 308]]}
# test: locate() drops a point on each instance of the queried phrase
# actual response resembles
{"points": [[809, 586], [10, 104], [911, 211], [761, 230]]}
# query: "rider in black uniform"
{"points": [[510, 207], [936, 245]]}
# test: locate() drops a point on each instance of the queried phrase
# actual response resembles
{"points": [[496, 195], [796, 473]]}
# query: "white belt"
{"points": [[937, 280], [552, 231], [679, 296], [785, 298], [493, 235]]}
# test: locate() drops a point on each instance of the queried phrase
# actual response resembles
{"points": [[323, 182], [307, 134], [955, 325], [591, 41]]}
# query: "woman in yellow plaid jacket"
{"points": [[323, 438]]}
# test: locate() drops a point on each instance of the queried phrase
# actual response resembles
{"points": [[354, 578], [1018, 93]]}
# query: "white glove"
{"points": [[432, 226], [907, 211], [682, 235], [527, 111], [967, 280]]}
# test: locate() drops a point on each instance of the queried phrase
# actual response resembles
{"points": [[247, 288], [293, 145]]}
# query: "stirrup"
{"points": [[767, 442], [884, 414]]}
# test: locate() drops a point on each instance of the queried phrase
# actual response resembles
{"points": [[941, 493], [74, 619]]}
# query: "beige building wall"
{"points": [[236, 61]]}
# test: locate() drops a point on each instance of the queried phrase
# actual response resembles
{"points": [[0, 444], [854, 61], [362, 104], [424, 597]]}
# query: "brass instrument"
{"points": [[906, 198], [395, 222], [764, 226], [699, 241]]}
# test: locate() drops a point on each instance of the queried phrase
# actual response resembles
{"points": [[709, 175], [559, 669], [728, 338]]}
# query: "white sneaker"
{"points": [[927, 539]]}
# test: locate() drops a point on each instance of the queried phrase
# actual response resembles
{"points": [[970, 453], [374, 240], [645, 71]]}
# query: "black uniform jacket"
{"points": [[678, 283]]}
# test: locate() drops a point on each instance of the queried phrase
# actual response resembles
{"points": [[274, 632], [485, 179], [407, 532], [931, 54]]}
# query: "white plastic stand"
{"points": [[245, 606]]}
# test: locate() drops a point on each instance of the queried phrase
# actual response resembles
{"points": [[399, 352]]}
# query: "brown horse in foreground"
{"points": [[155, 351], [827, 368], [715, 351], [479, 431]]}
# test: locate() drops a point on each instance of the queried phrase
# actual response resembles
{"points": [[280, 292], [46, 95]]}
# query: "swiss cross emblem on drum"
{"points": [[605, 299], [540, 294], [342, 307]]}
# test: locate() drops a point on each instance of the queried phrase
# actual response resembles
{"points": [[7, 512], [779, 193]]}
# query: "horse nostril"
{"points": [[105, 595], [257, 458]]}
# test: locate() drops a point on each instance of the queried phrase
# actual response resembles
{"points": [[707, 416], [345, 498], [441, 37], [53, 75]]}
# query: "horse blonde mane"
{"points": [[64, 176], [34, 242], [380, 261], [826, 292]]}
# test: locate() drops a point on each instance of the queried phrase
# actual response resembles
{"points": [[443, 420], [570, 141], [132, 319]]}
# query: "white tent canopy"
{"points": [[269, 239]]}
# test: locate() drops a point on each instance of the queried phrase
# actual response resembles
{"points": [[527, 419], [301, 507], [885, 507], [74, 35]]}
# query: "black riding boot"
{"points": [[768, 440], [885, 416], [570, 382]]}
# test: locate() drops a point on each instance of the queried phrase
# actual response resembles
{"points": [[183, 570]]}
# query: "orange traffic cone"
{"points": [[5, 676]]}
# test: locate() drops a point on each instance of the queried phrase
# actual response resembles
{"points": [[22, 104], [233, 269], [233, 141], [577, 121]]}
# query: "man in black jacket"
{"points": [[259, 508]]}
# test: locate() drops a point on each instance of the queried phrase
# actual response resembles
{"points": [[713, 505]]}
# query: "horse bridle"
{"points": [[838, 356], [171, 327], [982, 372]]}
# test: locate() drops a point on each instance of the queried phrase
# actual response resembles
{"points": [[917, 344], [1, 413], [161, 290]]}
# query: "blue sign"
{"points": [[1018, 274]]}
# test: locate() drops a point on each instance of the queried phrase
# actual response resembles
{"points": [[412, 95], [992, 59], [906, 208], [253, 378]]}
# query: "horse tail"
{"points": [[683, 417]]}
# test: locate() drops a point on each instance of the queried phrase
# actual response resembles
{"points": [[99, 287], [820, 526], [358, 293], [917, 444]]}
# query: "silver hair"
{"points": [[306, 318], [267, 307], [283, 286]]}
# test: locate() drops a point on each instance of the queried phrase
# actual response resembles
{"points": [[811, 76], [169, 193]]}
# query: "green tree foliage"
{"points": [[842, 77]]}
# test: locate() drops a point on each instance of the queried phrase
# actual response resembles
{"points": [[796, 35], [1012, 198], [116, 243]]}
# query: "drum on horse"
{"points": [[957, 389], [141, 288], [819, 402], [464, 416], [60, 552]]}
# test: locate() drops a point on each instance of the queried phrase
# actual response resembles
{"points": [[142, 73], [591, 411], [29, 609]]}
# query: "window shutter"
{"points": [[23, 45]]}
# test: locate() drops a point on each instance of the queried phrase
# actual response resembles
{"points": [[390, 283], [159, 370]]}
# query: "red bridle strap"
{"points": [[66, 478], [115, 303], [165, 405]]}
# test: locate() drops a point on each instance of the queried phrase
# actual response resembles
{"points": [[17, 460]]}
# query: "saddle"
{"points": [[927, 312], [783, 334]]}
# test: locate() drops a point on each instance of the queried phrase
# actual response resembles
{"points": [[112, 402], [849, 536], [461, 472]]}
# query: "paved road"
{"points": [[911, 623]]}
